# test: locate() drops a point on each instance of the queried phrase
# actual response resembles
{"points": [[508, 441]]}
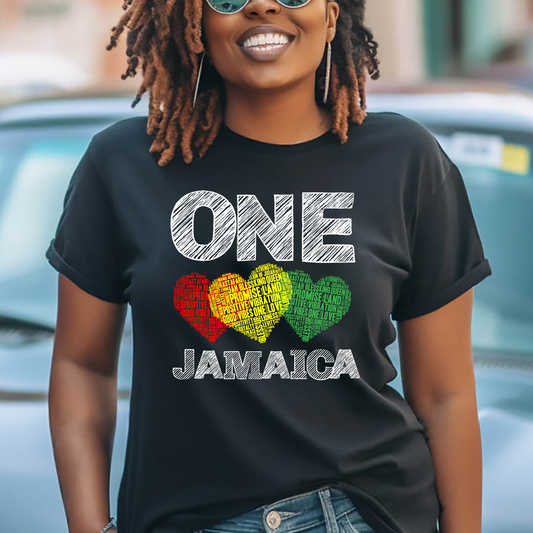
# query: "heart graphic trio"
{"points": [[254, 306]]}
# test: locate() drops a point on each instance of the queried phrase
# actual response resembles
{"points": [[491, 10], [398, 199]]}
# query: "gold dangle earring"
{"points": [[328, 69], [198, 80]]}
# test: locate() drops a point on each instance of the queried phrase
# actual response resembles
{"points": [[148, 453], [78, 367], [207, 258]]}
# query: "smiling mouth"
{"points": [[266, 47], [267, 40]]}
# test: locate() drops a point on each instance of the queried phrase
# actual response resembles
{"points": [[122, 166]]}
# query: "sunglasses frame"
{"points": [[248, 1]]}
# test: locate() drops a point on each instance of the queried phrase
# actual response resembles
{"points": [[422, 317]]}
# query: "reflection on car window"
{"points": [[37, 162], [33, 202]]}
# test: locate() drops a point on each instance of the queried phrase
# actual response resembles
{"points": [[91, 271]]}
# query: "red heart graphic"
{"points": [[190, 299]]}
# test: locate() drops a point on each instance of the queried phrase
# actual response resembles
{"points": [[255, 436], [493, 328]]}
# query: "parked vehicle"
{"points": [[41, 141], [489, 136]]}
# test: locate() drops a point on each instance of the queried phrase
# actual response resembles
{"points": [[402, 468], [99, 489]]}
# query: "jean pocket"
{"points": [[353, 522]]}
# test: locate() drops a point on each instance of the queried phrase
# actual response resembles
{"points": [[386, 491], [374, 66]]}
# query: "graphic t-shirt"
{"points": [[263, 280]]}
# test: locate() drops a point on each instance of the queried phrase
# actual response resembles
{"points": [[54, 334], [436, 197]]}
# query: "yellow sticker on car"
{"points": [[515, 158]]}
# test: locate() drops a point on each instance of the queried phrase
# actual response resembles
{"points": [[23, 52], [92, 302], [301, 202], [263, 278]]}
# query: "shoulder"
{"points": [[126, 134], [403, 132], [407, 146], [120, 152], [405, 151]]}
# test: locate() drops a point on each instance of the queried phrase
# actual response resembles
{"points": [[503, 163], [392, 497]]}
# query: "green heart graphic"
{"points": [[315, 307]]}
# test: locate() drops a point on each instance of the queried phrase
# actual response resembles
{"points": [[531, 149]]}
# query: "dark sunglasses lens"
{"points": [[226, 6], [232, 6], [293, 3]]}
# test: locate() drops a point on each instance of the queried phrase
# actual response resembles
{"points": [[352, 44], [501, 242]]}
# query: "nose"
{"points": [[261, 7]]}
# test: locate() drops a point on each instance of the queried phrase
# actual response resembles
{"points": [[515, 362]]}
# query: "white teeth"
{"points": [[266, 38]]}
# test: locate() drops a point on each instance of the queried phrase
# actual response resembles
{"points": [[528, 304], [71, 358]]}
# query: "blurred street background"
{"points": [[47, 43]]}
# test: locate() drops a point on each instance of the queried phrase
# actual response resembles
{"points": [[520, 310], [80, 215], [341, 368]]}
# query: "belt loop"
{"points": [[329, 511]]}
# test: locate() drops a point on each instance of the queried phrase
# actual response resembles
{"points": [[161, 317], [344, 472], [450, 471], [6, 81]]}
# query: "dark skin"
{"points": [[272, 102], [83, 402], [439, 384]]}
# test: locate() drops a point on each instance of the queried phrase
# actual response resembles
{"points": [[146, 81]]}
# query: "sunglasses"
{"points": [[228, 7]]}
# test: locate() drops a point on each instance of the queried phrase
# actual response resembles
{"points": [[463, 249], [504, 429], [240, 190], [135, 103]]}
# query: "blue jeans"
{"points": [[323, 510]]}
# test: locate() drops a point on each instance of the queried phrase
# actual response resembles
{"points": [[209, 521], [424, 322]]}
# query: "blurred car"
{"points": [[489, 136], [41, 142]]}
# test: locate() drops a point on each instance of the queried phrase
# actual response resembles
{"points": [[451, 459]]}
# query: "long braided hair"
{"points": [[166, 36]]}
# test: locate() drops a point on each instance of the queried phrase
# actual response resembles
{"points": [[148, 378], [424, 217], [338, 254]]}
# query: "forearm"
{"points": [[82, 414], [455, 444]]}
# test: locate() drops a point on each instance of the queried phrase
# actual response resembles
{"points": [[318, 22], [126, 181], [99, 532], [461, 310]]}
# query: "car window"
{"points": [[33, 201], [497, 169], [36, 165]]}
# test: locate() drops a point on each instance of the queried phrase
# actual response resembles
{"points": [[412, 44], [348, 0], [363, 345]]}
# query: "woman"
{"points": [[263, 268]]}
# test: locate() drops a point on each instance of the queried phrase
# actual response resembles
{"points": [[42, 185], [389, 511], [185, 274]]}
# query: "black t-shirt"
{"points": [[262, 281]]}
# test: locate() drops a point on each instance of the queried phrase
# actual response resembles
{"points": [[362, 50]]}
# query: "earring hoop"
{"points": [[198, 80], [328, 69]]}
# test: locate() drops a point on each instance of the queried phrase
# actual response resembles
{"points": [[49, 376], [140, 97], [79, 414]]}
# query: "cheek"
{"points": [[217, 31], [311, 40]]}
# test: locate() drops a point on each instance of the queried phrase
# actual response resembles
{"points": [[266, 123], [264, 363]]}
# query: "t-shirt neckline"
{"points": [[253, 145]]}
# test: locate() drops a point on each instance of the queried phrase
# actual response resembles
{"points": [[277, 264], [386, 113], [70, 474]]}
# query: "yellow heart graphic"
{"points": [[255, 306]]}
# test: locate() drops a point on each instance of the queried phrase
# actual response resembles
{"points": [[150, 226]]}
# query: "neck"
{"points": [[287, 115]]}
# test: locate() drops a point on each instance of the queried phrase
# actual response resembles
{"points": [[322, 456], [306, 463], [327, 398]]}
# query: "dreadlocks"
{"points": [[166, 36]]}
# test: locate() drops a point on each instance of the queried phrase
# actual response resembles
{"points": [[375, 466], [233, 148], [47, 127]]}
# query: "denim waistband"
{"points": [[324, 505]]}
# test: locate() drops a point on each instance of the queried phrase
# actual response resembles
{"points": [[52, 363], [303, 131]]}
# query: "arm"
{"points": [[83, 401], [439, 384]]}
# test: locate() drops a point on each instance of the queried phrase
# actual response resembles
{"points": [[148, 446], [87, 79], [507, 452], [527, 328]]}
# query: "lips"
{"points": [[265, 28]]}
